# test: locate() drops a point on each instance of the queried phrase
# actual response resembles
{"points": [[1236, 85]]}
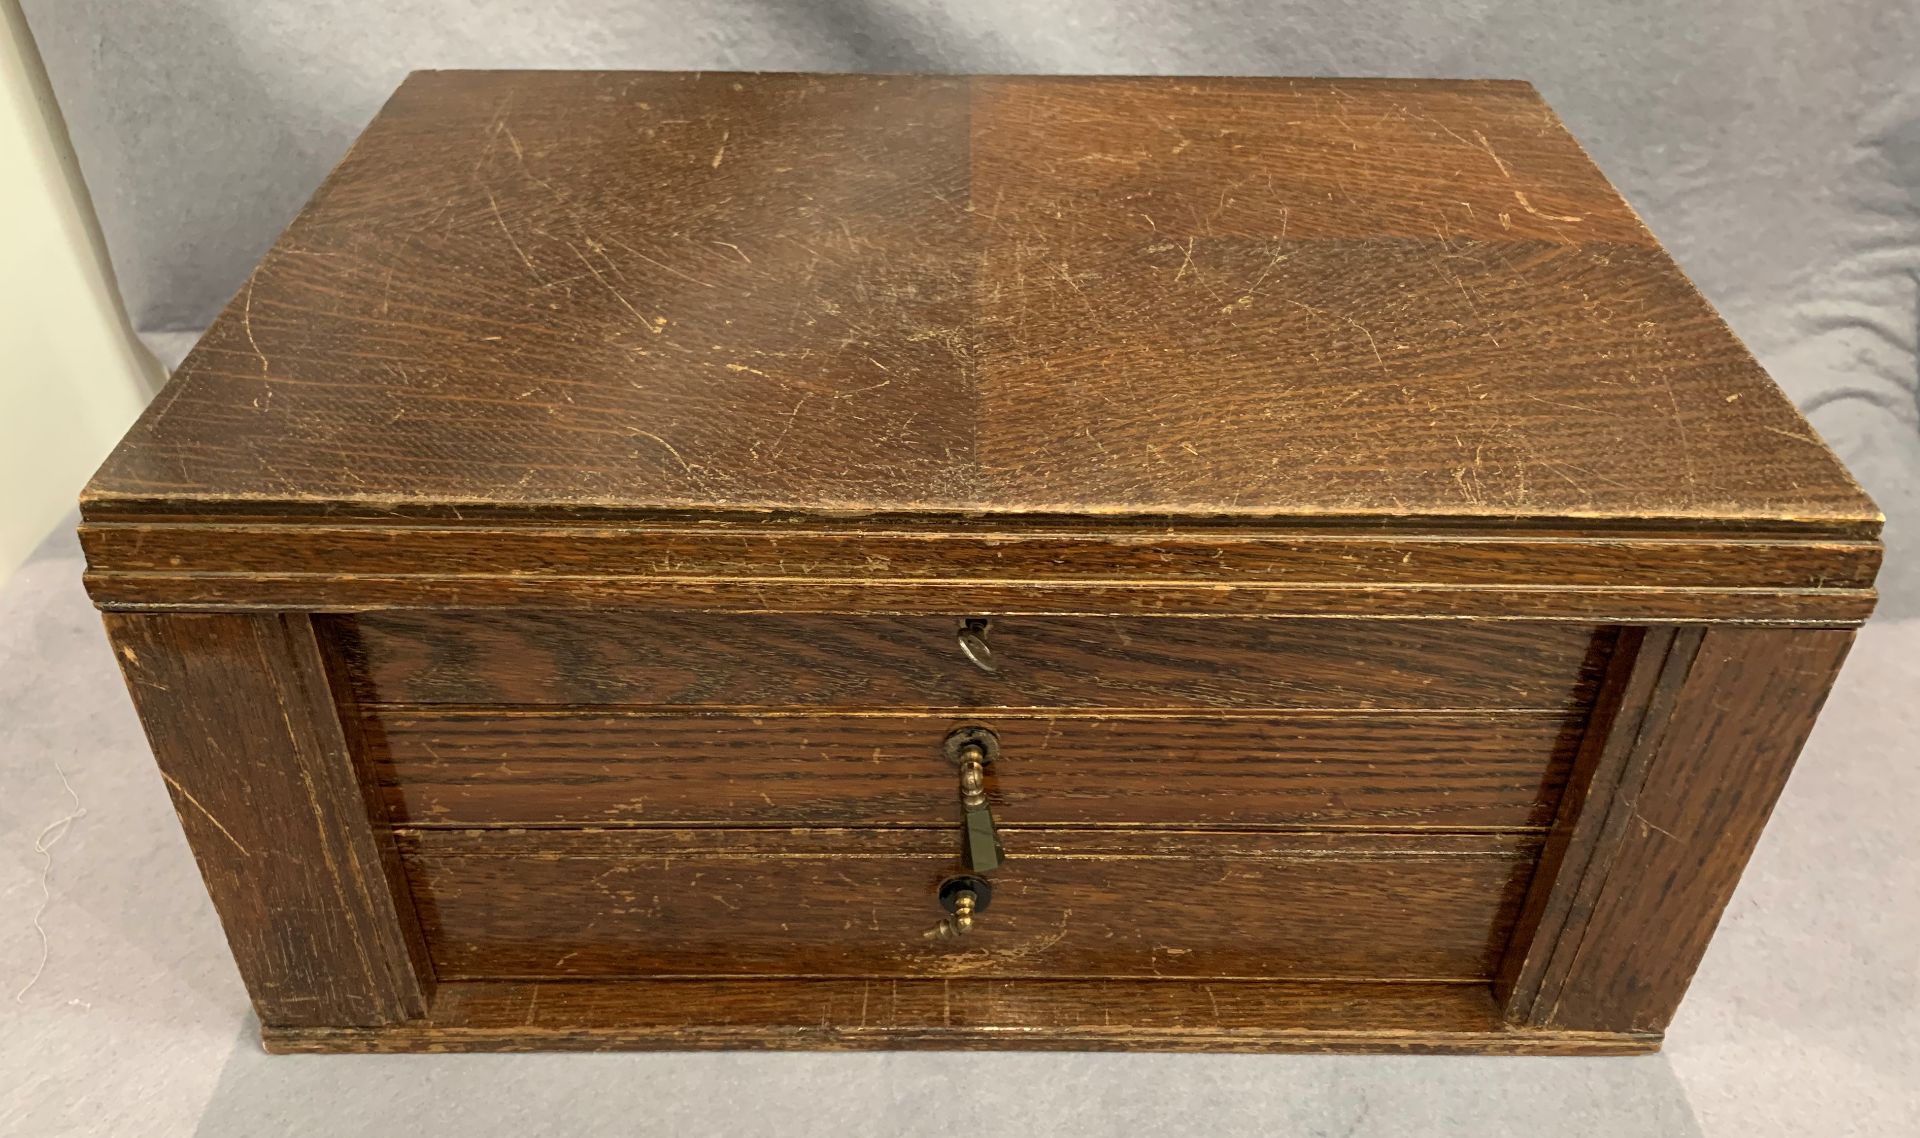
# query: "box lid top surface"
{"points": [[630, 293]]}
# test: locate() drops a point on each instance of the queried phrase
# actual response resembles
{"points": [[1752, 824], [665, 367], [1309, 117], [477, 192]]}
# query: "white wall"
{"points": [[72, 377]]}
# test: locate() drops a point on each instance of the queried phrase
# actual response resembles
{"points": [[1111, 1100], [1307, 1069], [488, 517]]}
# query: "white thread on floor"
{"points": [[43, 845]]}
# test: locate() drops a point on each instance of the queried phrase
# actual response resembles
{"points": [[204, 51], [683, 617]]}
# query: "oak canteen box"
{"points": [[689, 561]]}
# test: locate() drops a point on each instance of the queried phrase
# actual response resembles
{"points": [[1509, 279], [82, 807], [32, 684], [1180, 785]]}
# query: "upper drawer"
{"points": [[751, 660], [454, 767]]}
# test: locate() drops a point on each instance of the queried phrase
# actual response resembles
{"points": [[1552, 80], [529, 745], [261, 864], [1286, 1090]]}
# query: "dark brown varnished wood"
{"points": [[862, 662], [636, 903], [987, 296], [244, 729], [1245, 555], [1703, 775], [1626, 697], [241, 593], [1079, 1015], [1398, 572], [1298, 158], [667, 769], [1324, 570]]}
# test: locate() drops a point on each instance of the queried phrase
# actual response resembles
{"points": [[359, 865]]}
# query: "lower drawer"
{"points": [[637, 903]]}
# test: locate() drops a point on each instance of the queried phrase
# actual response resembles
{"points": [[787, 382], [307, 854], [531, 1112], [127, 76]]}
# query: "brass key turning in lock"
{"points": [[973, 644]]}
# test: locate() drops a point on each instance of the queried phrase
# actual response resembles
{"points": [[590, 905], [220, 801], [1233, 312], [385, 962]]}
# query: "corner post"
{"points": [[250, 741], [1677, 790]]}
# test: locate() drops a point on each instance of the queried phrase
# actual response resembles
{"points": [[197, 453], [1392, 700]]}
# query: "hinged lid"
{"points": [[616, 294]]}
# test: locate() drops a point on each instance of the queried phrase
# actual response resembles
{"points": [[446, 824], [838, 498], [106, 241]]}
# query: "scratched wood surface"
{"points": [[658, 769], [1524, 568], [244, 729], [583, 903], [591, 478], [1080, 1015], [865, 552], [862, 662], [1677, 824], [634, 292]]}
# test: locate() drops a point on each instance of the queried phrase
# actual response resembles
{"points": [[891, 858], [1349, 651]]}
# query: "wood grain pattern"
{"points": [[1630, 693], [1706, 768], [986, 297], [638, 903], [244, 730], [869, 552], [1079, 1015], [592, 477], [1532, 571], [1299, 158], [782, 660], [276, 592], [664, 769]]}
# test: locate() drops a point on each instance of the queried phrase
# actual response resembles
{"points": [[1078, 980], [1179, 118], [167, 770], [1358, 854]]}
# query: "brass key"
{"points": [[973, 644]]}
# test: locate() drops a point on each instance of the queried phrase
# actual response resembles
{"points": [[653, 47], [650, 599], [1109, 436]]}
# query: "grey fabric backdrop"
{"points": [[1773, 144]]}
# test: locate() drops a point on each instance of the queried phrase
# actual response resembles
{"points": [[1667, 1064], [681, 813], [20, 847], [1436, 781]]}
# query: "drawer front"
{"points": [[755, 660], [578, 768], [853, 903]]}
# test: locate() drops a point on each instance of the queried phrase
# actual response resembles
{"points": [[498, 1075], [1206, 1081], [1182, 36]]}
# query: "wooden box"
{"points": [[559, 587]]}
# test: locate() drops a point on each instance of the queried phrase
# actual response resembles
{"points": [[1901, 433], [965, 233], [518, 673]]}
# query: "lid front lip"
{"points": [[1161, 565], [100, 506]]}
